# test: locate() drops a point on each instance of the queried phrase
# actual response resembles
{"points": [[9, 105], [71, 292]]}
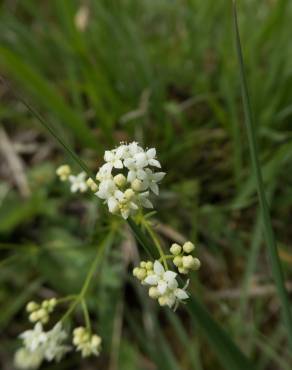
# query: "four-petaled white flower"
{"points": [[34, 338], [147, 158], [113, 159], [161, 278], [49, 344], [168, 292], [78, 183], [152, 179]]}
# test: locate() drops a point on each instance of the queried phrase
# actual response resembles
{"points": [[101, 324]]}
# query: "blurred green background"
{"points": [[164, 73]]}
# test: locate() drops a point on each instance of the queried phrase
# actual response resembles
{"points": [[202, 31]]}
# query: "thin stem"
{"points": [[86, 315], [90, 274], [156, 242], [66, 299], [81, 296]]}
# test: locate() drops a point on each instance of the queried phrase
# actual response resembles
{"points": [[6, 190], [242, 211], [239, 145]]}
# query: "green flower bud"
{"points": [[188, 247]]}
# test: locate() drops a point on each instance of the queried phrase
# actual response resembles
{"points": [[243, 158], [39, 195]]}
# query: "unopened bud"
{"points": [[137, 185], [120, 180], [153, 292], [177, 261], [175, 249], [188, 247]]}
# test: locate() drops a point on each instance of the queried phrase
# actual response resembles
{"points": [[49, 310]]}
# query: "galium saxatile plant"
{"points": [[126, 182]]}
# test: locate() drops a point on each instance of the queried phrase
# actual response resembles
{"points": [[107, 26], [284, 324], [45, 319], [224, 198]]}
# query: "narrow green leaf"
{"points": [[265, 213], [226, 350]]}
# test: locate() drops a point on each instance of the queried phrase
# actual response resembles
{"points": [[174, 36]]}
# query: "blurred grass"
{"points": [[164, 73]]}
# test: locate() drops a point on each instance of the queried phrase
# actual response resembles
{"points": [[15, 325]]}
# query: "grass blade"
{"points": [[227, 351], [266, 218]]}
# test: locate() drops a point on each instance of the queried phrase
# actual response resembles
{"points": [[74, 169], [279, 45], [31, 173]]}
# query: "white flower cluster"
{"points": [[163, 283], [39, 345], [41, 312], [124, 181], [127, 177], [88, 344]]}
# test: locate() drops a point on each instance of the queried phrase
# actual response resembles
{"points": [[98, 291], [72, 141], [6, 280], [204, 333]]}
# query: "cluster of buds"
{"points": [[41, 312], [145, 269], [182, 258], [88, 344]]}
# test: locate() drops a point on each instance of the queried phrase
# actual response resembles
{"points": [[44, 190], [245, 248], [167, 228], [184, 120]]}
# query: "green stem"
{"points": [[156, 242], [68, 298], [80, 297], [86, 315]]}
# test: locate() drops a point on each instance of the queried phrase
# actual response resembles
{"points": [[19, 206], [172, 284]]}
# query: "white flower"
{"points": [[113, 159], [27, 360], [134, 148], [174, 296], [135, 172], [152, 179], [78, 183], [49, 344], [54, 347], [103, 173], [143, 199], [144, 159], [107, 189], [34, 338], [161, 278], [167, 290]]}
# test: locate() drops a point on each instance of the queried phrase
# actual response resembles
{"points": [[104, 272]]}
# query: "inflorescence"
{"points": [[39, 345], [164, 285], [124, 181]]}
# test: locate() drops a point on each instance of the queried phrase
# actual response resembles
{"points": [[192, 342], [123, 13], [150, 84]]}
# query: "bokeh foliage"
{"points": [[164, 73]]}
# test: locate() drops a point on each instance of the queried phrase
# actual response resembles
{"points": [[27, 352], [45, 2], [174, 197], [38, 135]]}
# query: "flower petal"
{"points": [[151, 279], [162, 286], [158, 268], [118, 163], [154, 162], [151, 153], [169, 276], [181, 294]]}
